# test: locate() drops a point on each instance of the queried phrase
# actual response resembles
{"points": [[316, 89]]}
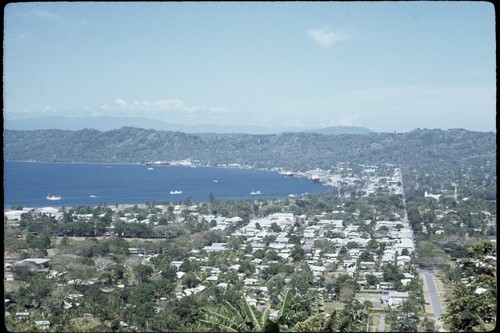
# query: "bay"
{"points": [[29, 183]]}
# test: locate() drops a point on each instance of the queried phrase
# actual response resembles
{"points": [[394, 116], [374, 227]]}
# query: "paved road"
{"points": [[432, 292], [431, 289]]}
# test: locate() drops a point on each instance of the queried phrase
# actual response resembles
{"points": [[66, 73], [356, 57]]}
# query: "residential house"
{"points": [[22, 315], [35, 264], [367, 265], [394, 298], [317, 270], [176, 264], [42, 324], [216, 247]]}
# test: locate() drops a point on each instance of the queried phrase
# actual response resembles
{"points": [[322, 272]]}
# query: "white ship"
{"points": [[53, 197], [175, 192], [255, 192]]}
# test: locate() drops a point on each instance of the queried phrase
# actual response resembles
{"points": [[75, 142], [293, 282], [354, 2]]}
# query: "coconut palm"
{"points": [[245, 318], [235, 319]]}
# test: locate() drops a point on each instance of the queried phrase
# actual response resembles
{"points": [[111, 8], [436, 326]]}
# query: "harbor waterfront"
{"points": [[33, 184]]}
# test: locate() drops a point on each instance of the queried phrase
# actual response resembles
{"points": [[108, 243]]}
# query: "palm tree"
{"points": [[231, 319], [247, 319], [319, 321]]}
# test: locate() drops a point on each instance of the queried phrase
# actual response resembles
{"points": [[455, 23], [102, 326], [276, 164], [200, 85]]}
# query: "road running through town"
{"points": [[432, 294]]}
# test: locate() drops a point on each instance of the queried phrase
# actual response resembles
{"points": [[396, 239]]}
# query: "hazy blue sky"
{"points": [[388, 66]]}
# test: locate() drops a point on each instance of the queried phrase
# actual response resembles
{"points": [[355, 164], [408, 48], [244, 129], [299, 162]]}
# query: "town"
{"points": [[165, 266]]}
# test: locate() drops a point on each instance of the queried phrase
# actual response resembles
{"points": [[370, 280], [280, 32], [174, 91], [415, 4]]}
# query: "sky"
{"points": [[386, 66]]}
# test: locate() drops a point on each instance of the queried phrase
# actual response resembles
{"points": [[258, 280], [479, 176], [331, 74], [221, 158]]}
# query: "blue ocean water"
{"points": [[29, 183]]}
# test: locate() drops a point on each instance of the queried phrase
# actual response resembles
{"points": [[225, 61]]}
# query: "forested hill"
{"points": [[300, 151]]}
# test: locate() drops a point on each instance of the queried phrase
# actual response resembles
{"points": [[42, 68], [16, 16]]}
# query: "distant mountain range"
{"points": [[110, 123], [297, 151]]}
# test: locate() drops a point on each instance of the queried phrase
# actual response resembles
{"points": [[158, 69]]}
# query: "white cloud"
{"points": [[48, 110], [162, 106], [325, 37], [120, 102]]}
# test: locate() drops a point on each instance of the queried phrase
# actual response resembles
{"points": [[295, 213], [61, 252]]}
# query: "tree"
{"points": [[211, 197], [346, 293], [272, 255], [473, 305], [53, 305], [102, 264], [268, 239], [186, 266], [36, 292], [246, 267], [38, 242], [235, 319], [371, 279], [343, 250], [429, 325], [245, 318], [163, 287], [404, 318], [143, 273], [352, 245], [234, 243], [383, 229], [353, 317], [366, 256], [275, 227], [297, 253], [23, 273], [190, 280], [259, 254]]}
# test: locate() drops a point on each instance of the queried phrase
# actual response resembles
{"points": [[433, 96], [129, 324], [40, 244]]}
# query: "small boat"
{"points": [[175, 192], [93, 196], [150, 169], [255, 193], [216, 181], [53, 197]]}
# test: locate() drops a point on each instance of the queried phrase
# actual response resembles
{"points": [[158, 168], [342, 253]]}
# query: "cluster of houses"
{"points": [[397, 237], [372, 178], [398, 249]]}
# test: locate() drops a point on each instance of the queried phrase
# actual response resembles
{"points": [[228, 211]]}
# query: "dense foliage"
{"points": [[301, 151], [473, 305]]}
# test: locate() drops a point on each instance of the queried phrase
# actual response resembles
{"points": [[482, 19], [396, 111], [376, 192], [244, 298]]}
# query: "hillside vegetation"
{"points": [[300, 151]]}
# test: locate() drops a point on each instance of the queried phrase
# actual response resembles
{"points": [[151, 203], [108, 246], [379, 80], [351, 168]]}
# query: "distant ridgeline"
{"points": [[299, 151]]}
